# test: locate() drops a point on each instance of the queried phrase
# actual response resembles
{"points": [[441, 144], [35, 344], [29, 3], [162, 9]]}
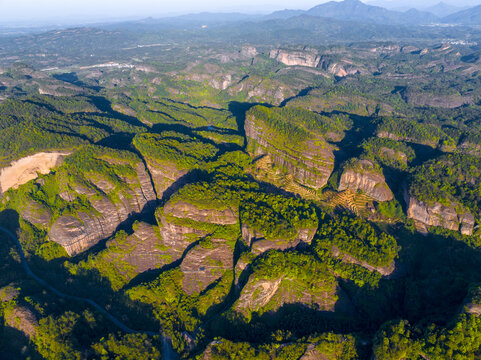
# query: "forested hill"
{"points": [[248, 194]]}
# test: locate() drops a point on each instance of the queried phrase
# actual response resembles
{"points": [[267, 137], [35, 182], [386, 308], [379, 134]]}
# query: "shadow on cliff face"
{"points": [[10, 269], [106, 106], [192, 176], [297, 318], [15, 345], [72, 78], [363, 127], [120, 141], [300, 94], [431, 286], [239, 110], [10, 220], [91, 284]]}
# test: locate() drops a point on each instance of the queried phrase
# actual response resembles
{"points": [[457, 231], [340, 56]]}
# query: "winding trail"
{"points": [[167, 352]]}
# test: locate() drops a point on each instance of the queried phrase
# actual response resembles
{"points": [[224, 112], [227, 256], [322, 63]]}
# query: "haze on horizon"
{"points": [[32, 12]]}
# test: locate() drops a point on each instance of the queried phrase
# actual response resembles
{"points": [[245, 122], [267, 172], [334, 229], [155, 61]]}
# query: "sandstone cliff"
{"points": [[79, 232], [23, 319], [362, 175], [202, 226], [310, 58], [310, 163], [259, 244], [298, 58], [267, 290], [261, 89], [206, 263], [439, 215], [87, 198], [205, 237]]}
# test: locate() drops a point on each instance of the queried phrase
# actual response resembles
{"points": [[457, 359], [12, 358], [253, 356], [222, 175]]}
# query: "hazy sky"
{"points": [[64, 11], [14, 10]]}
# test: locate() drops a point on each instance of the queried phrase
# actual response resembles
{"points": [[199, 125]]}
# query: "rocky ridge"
{"points": [[437, 214], [312, 59], [364, 177], [310, 164]]}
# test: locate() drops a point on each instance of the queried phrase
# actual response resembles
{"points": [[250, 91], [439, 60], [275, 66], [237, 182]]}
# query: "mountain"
{"points": [[355, 10], [284, 14], [471, 16], [442, 9]]}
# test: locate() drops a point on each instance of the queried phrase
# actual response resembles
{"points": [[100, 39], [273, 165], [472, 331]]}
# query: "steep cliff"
{"points": [[436, 214], [171, 155], [87, 198], [310, 58], [297, 149], [204, 221], [203, 235], [299, 58], [259, 244], [287, 278], [126, 256], [445, 192], [205, 263], [363, 175]]}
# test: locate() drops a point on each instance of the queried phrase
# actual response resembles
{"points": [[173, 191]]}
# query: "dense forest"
{"points": [[174, 193]]}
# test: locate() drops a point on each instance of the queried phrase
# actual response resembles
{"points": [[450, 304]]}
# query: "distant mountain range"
{"points": [[355, 10], [471, 16], [344, 11], [442, 9]]}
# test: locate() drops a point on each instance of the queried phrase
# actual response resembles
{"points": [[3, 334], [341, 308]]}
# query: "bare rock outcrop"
{"points": [[206, 263], [436, 100], [271, 294], [310, 165], [183, 225], [83, 230], [163, 174], [261, 89], [310, 58], [295, 58], [23, 319], [437, 214], [259, 244], [248, 51], [364, 177], [143, 250]]}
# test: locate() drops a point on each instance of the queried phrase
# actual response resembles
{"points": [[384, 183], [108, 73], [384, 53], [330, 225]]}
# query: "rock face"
{"points": [[23, 319], [163, 175], [248, 51], [312, 353], [80, 232], [313, 60], [435, 100], [203, 233], [185, 230], [259, 244], [206, 263], [310, 164], [182, 224], [384, 271], [261, 89], [260, 295], [143, 249], [439, 215], [367, 180], [295, 58]]}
